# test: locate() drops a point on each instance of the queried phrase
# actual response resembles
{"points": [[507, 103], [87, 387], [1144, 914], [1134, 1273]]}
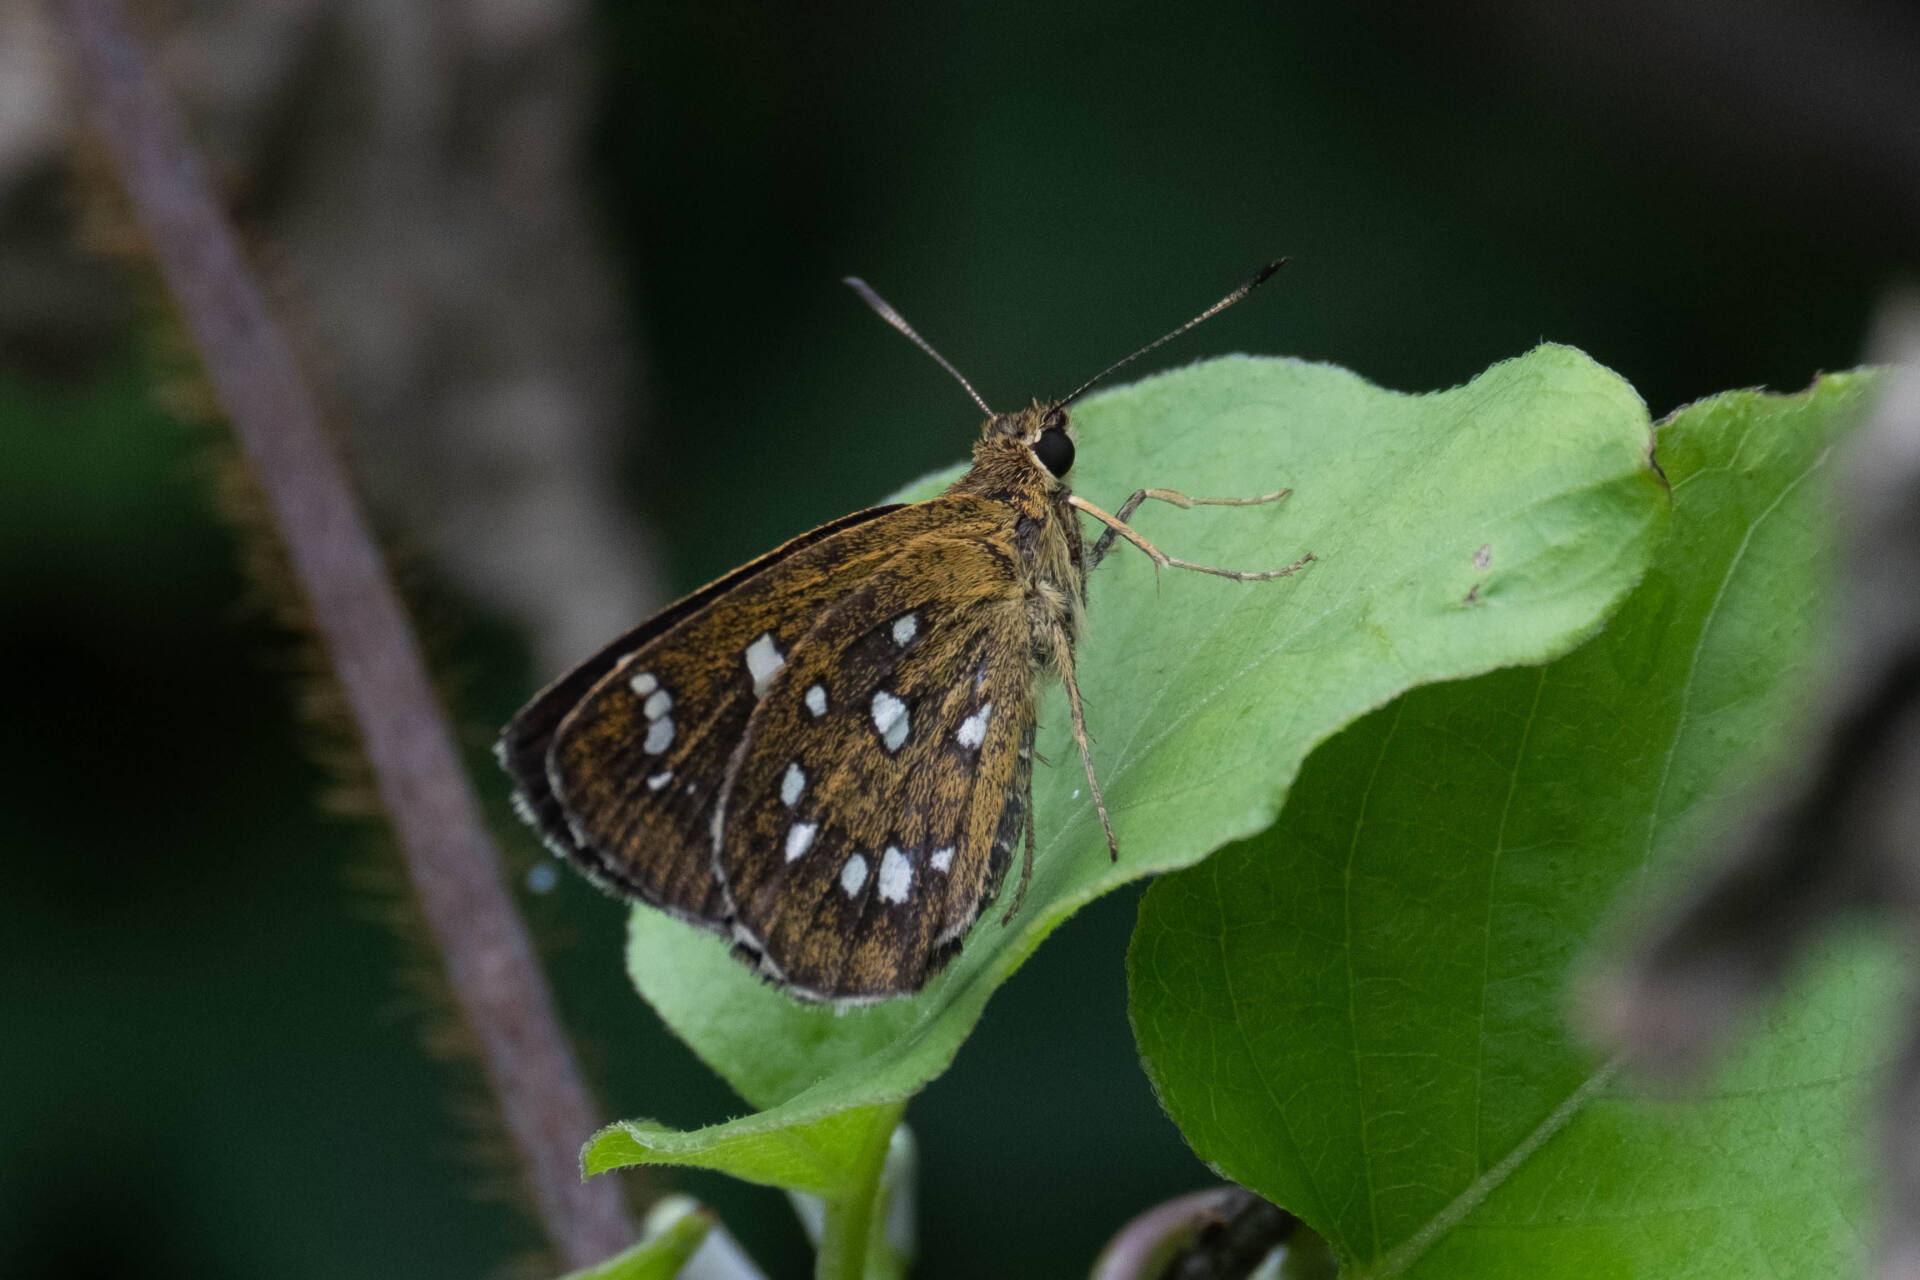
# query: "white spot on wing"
{"points": [[973, 730], [763, 659], [817, 700], [792, 784], [659, 781], [905, 628], [942, 859], [896, 876], [658, 703], [853, 876], [800, 838], [643, 684], [890, 719], [659, 736]]}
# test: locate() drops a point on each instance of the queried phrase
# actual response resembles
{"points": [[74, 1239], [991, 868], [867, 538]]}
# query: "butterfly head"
{"points": [[1039, 436], [1037, 442]]}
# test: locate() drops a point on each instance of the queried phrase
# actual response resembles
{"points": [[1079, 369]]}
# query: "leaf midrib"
{"points": [[1409, 1251]]}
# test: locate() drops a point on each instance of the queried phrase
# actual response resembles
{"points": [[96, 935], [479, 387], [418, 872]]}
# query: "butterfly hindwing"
{"points": [[636, 766], [882, 780]]}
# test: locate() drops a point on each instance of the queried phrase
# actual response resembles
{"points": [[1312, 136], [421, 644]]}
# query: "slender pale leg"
{"points": [[1117, 526], [1063, 656], [1026, 861]]}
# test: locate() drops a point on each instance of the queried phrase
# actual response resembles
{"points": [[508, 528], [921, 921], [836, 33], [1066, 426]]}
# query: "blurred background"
{"points": [[567, 280]]}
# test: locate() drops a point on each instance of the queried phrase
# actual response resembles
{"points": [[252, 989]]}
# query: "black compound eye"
{"points": [[1055, 450]]}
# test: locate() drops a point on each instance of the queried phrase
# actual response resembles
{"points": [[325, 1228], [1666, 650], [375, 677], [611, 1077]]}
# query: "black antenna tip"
{"points": [[1266, 273]]}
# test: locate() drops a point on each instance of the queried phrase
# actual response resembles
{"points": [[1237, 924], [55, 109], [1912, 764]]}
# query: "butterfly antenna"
{"points": [[886, 312], [1266, 272]]}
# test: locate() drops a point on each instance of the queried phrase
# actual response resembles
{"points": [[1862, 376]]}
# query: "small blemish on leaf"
{"points": [[1483, 557]]}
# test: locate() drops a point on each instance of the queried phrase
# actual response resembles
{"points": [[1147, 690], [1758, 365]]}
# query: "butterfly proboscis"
{"points": [[827, 754]]}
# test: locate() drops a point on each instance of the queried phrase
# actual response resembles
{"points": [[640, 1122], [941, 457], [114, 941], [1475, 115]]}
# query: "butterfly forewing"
{"points": [[882, 778], [637, 767]]}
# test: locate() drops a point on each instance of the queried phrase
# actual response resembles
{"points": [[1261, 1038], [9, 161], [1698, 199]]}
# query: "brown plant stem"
{"points": [[450, 856], [1223, 1233]]}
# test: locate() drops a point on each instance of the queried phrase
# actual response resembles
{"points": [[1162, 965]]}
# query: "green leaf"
{"points": [[671, 1240], [815, 1158], [1360, 1014], [1493, 524]]}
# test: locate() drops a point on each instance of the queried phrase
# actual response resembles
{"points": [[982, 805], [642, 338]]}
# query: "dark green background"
{"points": [[214, 1061]]}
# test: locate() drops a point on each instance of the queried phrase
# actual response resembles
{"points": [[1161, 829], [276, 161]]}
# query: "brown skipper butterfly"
{"points": [[827, 755]]}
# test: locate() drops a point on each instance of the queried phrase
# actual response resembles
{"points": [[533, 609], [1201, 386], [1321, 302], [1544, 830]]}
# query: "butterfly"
{"points": [[827, 755]]}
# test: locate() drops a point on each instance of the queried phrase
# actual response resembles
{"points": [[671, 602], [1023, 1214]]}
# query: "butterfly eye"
{"points": [[1055, 450]]}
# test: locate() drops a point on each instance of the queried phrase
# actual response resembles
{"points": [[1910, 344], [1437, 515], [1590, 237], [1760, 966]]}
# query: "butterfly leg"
{"points": [[1118, 526], [1178, 499], [1063, 658], [1026, 861]]}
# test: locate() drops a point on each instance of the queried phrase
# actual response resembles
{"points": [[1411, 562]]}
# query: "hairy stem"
{"points": [[450, 856]]}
